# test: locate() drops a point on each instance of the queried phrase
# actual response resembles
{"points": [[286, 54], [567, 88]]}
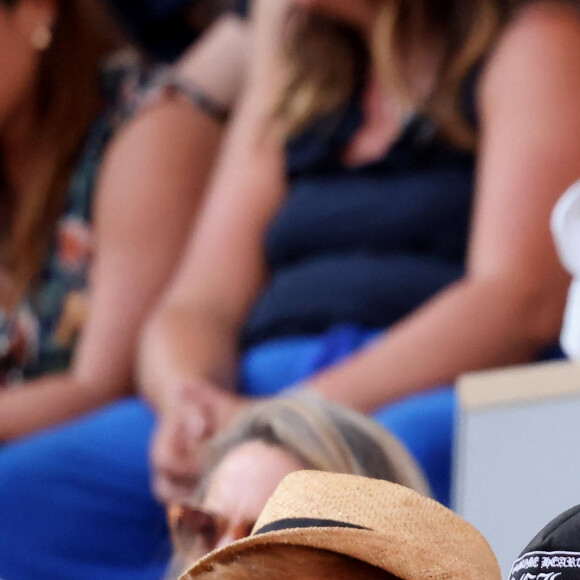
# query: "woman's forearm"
{"points": [[472, 325], [182, 347], [47, 401]]}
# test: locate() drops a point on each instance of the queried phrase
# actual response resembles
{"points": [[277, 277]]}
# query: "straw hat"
{"points": [[379, 522]]}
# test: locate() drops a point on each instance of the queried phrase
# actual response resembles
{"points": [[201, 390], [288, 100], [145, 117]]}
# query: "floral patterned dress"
{"points": [[39, 335], [75, 500]]}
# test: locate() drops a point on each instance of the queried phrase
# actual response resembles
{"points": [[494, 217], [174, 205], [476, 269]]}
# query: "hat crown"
{"points": [[394, 512], [348, 499]]}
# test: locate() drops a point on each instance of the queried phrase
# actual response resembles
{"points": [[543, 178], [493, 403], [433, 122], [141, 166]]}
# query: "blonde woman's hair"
{"points": [[294, 563], [323, 436], [327, 61], [67, 102]]}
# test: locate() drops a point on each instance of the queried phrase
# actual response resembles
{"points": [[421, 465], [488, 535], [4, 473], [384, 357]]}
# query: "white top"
{"points": [[566, 231]]}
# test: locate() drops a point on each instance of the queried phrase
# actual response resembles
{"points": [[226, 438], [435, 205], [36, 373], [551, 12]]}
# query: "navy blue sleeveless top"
{"points": [[368, 245]]}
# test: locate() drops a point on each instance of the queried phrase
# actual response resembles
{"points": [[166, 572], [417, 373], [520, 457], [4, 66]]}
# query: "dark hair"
{"points": [[67, 102], [165, 29]]}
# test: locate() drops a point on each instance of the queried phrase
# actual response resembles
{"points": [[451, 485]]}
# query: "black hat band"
{"points": [[291, 523]]}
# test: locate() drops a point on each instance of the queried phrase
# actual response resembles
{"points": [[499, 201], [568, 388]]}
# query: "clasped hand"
{"points": [[185, 426]]}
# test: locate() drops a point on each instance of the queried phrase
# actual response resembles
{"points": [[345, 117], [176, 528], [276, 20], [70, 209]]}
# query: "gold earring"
{"points": [[42, 37]]}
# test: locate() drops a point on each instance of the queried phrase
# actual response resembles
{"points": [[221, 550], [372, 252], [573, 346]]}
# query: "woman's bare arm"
{"points": [[149, 190], [509, 304], [189, 351], [193, 334]]}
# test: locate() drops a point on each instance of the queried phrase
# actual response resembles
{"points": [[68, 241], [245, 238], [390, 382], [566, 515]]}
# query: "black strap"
{"points": [[292, 523], [168, 79]]}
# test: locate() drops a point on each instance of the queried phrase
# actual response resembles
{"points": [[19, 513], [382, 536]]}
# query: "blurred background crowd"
{"points": [[242, 239]]}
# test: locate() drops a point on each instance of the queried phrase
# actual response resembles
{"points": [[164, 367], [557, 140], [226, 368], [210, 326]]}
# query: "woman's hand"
{"points": [[187, 423], [195, 330]]}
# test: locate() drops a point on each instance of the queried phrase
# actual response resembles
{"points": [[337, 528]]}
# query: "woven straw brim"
{"points": [[427, 562], [379, 522]]}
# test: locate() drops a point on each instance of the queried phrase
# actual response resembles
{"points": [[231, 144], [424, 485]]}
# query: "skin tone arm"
{"points": [[190, 344], [148, 193], [509, 305], [233, 272], [505, 309]]}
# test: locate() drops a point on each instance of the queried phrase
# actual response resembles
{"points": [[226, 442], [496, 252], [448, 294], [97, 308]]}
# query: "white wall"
{"points": [[517, 457]]}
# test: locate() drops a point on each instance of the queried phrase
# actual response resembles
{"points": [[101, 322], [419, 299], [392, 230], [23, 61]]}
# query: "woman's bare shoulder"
{"points": [[537, 53]]}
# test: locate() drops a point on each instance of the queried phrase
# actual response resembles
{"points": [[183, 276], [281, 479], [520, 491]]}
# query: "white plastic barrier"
{"points": [[566, 231], [517, 455]]}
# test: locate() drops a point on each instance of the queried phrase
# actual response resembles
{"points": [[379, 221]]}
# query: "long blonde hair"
{"points": [[328, 60], [67, 102]]}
